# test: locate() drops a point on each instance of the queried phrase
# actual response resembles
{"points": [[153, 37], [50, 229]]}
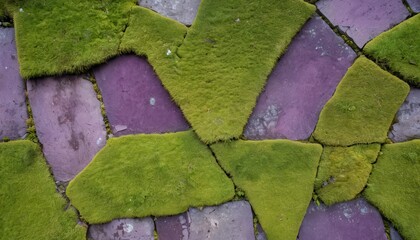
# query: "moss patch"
{"points": [[394, 186], [277, 177], [143, 175], [363, 106], [343, 172], [30, 207], [399, 49]]}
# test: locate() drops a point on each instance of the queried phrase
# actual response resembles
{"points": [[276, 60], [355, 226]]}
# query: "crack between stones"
{"points": [[408, 8], [125, 29]]}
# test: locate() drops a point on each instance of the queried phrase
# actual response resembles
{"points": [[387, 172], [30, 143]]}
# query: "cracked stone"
{"points": [[414, 5], [362, 20], [302, 82], [68, 121], [183, 11], [127, 229], [135, 100], [12, 89]]}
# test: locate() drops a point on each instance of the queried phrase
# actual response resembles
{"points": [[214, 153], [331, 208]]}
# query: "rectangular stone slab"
{"points": [[127, 229], [183, 11]]}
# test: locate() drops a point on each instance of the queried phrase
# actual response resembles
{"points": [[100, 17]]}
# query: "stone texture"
{"points": [[407, 122], [260, 234], [351, 220], [68, 121], [123, 229], [183, 11], [362, 20], [135, 100], [394, 234], [302, 82], [173, 227], [414, 5], [13, 112]]}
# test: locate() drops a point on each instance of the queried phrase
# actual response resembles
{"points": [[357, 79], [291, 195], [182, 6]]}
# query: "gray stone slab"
{"points": [[351, 220], [394, 234], [13, 113], [134, 98], [173, 227], [68, 122], [301, 83], [183, 11], [363, 20], [414, 5], [260, 234], [407, 122], [123, 229]]}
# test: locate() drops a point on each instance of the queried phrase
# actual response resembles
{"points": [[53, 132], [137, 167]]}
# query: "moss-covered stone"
{"points": [[143, 175], [363, 106], [394, 186], [30, 207], [277, 177], [343, 172]]}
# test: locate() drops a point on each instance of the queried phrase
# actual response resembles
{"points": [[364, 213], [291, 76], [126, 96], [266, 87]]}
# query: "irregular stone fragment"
{"points": [[173, 227], [134, 98], [351, 220], [13, 112], [277, 177], [68, 121], [414, 5], [363, 20], [127, 229], [302, 82], [180, 10], [393, 186], [363, 106]]}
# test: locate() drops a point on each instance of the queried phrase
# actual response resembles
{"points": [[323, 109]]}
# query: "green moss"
{"points": [[399, 49], [394, 186], [155, 174], [30, 207], [277, 177], [362, 108], [343, 172]]}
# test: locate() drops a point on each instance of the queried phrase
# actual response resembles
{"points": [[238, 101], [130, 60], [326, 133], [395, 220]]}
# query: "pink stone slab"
{"points": [[123, 229], [68, 122], [13, 112], [135, 100], [301, 83], [414, 5], [363, 20]]}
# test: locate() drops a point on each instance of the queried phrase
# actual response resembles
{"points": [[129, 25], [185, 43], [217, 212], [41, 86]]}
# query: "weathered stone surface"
{"points": [[173, 227], [407, 122], [414, 5], [127, 229], [183, 11], [68, 121], [362, 20], [394, 234], [355, 219], [302, 82], [13, 112], [135, 100], [260, 234]]}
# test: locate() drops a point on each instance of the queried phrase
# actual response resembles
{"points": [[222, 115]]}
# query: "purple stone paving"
{"points": [[135, 100], [351, 220], [173, 227], [13, 112], [407, 122], [302, 82], [123, 229], [363, 20], [394, 234], [181, 10], [414, 5], [68, 121]]}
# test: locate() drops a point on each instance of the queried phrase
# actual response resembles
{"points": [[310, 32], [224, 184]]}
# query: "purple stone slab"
{"points": [[301, 83], [351, 220], [13, 113], [123, 229], [394, 234], [414, 5], [362, 20], [180, 10], [407, 122], [173, 227], [260, 234], [68, 122], [135, 100]]}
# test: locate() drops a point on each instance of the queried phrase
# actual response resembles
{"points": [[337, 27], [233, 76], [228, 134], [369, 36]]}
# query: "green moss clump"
{"points": [[399, 49], [30, 207], [143, 175], [362, 108], [394, 186], [343, 172], [277, 177]]}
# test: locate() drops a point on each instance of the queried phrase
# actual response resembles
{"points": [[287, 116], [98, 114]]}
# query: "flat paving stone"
{"points": [[301, 83], [123, 229], [414, 5], [407, 122], [362, 20], [68, 122], [12, 89], [351, 220], [173, 227], [394, 234], [135, 100], [183, 11]]}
